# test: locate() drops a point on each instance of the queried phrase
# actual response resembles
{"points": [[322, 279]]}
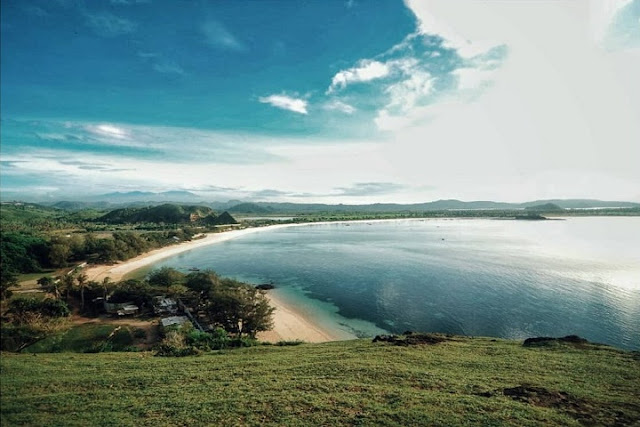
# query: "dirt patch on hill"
{"points": [[572, 340], [583, 410], [410, 338]]}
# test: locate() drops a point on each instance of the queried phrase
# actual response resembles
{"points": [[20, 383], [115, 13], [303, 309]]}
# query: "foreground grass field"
{"points": [[473, 381]]}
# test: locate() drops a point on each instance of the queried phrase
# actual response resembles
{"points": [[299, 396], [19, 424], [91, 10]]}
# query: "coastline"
{"points": [[290, 323], [118, 271]]}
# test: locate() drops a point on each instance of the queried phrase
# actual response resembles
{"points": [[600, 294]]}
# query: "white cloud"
{"points": [[437, 24], [284, 102], [217, 36], [407, 93], [472, 78], [337, 105], [109, 25], [167, 67], [109, 130], [160, 64], [559, 119], [179, 144], [365, 71], [602, 13]]}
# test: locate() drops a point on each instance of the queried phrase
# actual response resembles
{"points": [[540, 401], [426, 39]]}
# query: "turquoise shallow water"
{"points": [[512, 279]]}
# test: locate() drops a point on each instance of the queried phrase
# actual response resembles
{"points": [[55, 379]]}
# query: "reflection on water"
{"points": [[510, 279]]}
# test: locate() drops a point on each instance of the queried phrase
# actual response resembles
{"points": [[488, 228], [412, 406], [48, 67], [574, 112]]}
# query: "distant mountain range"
{"points": [[439, 205], [145, 198]]}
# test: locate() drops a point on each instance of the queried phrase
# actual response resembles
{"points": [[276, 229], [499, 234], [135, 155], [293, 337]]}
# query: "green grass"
{"points": [[85, 338], [38, 275], [457, 382]]}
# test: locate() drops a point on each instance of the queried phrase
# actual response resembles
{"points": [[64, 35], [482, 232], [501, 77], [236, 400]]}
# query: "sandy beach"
{"points": [[117, 271], [289, 322]]}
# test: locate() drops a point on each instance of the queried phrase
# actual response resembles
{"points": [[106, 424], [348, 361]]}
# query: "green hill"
{"points": [[18, 211], [462, 381], [167, 213], [546, 207]]}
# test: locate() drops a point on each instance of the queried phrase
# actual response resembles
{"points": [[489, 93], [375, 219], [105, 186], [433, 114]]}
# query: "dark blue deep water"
{"points": [[511, 279]]}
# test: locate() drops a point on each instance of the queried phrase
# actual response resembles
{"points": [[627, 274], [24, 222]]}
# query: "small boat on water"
{"points": [[194, 269]]}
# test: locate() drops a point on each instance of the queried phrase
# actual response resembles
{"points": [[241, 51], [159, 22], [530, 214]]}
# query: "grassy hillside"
{"points": [[462, 381]]}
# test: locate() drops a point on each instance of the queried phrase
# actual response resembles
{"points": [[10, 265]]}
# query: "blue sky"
{"points": [[329, 101]]}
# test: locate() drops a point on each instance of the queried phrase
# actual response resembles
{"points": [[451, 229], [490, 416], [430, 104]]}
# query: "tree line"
{"points": [[32, 253], [232, 312]]}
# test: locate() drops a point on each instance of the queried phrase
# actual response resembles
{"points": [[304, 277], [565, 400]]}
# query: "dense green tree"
{"points": [[240, 309], [137, 291], [90, 243], [67, 282], [23, 253], [106, 250], [165, 277], [81, 280], [22, 308], [59, 254], [8, 279], [107, 286], [202, 281], [50, 285], [177, 291]]}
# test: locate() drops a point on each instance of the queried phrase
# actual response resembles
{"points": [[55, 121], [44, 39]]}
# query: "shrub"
{"points": [[216, 340], [140, 333], [243, 342], [14, 338], [286, 343], [47, 307], [174, 345]]}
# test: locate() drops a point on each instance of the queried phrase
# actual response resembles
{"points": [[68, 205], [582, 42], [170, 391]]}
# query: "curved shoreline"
{"points": [[117, 271], [289, 322]]}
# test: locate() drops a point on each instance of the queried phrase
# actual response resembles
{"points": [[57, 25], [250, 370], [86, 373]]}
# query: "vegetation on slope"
{"points": [[166, 213], [472, 381], [37, 238], [224, 308]]}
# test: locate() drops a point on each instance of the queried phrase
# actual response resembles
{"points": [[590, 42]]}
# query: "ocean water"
{"points": [[501, 278]]}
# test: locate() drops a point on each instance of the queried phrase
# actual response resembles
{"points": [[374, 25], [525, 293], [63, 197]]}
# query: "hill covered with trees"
{"points": [[167, 213], [38, 238]]}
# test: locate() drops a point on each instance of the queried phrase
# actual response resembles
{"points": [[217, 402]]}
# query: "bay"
{"points": [[478, 277]]}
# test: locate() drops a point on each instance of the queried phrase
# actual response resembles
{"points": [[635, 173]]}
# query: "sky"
{"points": [[336, 101]]}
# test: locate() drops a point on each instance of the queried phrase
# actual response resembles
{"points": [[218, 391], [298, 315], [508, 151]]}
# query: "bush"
{"points": [[216, 340], [140, 333], [100, 347], [286, 343], [174, 345], [243, 342], [14, 338], [165, 350], [47, 307]]}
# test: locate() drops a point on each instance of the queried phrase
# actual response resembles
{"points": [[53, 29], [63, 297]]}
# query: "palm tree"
{"points": [[106, 284], [49, 284], [82, 284], [67, 281]]}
